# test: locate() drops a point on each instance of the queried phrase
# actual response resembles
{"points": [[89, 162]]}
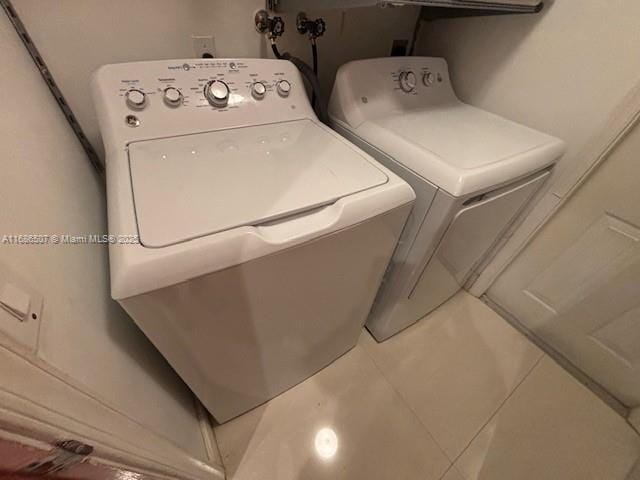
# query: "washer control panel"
{"points": [[154, 99], [216, 86]]}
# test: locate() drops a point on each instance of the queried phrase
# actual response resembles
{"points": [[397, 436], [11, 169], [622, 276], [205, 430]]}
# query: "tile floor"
{"points": [[459, 396]]}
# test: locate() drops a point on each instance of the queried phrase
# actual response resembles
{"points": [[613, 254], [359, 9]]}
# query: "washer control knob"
{"points": [[136, 99], [427, 79], [258, 90], [172, 97], [284, 88], [407, 81], [217, 93]]}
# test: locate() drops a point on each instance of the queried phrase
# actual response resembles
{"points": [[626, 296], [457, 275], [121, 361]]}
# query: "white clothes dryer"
{"points": [[473, 173]]}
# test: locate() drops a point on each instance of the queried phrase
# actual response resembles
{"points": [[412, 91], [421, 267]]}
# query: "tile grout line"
{"points": [[453, 461], [406, 404], [447, 471], [502, 404], [559, 359]]}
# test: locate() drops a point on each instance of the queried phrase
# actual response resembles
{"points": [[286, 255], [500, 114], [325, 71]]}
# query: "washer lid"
{"points": [[195, 185]]}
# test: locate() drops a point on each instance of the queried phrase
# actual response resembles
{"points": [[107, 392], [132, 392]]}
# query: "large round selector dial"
{"points": [[258, 90], [217, 93], [427, 79], [284, 88], [407, 81], [173, 97], [136, 99]]}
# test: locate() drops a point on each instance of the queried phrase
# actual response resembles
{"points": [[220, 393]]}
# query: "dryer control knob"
{"points": [[428, 79], [407, 81], [284, 88], [258, 90], [217, 93], [136, 99], [172, 97]]}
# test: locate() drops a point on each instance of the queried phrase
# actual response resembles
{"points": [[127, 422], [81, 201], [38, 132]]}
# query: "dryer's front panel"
{"points": [[472, 233]]}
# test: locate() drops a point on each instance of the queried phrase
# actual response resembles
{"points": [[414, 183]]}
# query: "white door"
{"points": [[577, 285]]}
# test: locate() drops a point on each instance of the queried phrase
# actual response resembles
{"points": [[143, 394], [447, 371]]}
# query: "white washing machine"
{"points": [[249, 240], [473, 173]]}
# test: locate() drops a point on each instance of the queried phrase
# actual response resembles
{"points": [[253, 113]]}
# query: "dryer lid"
{"points": [[463, 136], [460, 148], [194, 185]]}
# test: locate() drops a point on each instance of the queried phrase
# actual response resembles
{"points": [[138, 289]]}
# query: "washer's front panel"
{"points": [[241, 336]]}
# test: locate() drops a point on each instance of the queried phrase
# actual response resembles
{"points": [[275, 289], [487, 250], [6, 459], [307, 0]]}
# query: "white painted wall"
{"points": [[47, 186], [75, 37], [562, 71], [568, 72]]}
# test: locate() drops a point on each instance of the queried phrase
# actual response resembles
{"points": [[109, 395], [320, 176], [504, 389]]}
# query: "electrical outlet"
{"points": [[203, 46], [399, 48]]}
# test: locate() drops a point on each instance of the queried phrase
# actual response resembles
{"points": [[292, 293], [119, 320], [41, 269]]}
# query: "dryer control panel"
{"points": [[155, 99], [366, 89]]}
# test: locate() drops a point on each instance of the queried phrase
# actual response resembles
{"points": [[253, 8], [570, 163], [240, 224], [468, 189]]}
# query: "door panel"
{"points": [[621, 337], [597, 255], [577, 284]]}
